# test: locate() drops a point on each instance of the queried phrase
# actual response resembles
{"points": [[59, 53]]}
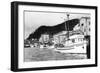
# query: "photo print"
{"points": [[56, 36]]}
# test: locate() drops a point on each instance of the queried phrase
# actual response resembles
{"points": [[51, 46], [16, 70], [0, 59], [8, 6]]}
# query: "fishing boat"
{"points": [[74, 42]]}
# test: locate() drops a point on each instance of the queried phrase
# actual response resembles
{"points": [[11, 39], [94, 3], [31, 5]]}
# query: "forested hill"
{"points": [[53, 29]]}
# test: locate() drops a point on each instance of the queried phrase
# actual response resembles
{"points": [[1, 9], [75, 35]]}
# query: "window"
{"points": [[89, 23], [82, 24], [89, 29], [73, 40]]}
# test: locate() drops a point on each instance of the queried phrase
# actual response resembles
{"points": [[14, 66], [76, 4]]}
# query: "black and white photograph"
{"points": [[56, 36], [52, 36]]}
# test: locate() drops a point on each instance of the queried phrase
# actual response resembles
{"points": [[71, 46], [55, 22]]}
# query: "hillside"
{"points": [[53, 29]]}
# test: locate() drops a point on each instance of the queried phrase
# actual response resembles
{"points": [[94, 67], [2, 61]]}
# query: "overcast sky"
{"points": [[33, 20]]}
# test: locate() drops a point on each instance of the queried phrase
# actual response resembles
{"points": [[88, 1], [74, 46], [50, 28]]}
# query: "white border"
{"points": [[22, 64]]}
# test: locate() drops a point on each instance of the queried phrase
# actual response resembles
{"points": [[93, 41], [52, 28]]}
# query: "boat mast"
{"points": [[68, 25], [65, 25]]}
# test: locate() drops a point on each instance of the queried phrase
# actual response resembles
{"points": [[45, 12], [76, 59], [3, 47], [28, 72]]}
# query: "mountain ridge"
{"points": [[53, 29]]}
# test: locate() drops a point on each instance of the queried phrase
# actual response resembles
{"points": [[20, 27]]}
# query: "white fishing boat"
{"points": [[75, 44]]}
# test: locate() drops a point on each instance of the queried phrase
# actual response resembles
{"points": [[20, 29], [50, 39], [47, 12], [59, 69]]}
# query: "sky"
{"points": [[35, 19]]}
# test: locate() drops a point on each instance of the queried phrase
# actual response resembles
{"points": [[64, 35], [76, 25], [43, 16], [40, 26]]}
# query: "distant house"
{"points": [[34, 43], [60, 37], [26, 43], [44, 38]]}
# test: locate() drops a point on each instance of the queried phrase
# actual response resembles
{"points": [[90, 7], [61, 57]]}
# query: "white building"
{"points": [[60, 37], [84, 25], [44, 38]]}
